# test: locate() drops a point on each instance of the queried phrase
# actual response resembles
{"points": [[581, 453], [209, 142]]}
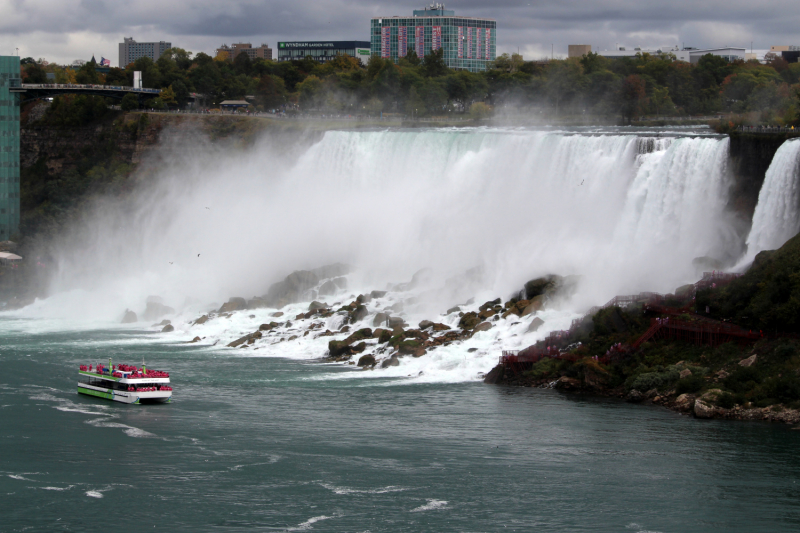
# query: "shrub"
{"points": [[726, 400], [691, 384], [655, 380]]}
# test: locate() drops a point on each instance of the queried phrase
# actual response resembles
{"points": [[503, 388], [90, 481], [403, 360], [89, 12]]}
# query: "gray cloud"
{"points": [[73, 29]]}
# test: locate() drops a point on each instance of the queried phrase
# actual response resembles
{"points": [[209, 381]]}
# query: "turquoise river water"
{"points": [[269, 444]]}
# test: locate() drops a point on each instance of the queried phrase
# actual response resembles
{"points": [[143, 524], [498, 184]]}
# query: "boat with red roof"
{"points": [[125, 383]]}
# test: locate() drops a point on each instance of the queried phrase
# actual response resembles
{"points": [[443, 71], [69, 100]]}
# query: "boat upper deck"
{"points": [[124, 374]]}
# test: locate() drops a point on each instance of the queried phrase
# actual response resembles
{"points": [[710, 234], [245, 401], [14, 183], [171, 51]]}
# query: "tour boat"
{"points": [[125, 383]]}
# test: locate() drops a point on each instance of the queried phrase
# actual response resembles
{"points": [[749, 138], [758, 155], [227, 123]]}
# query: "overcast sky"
{"points": [[65, 30]]}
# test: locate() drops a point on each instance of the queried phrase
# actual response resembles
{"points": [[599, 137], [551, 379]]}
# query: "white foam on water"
{"points": [[309, 524], [432, 505], [777, 215], [59, 489], [19, 477], [128, 430], [94, 493], [347, 490]]}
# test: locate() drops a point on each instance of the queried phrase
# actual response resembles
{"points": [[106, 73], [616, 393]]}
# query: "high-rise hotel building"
{"points": [[468, 43]]}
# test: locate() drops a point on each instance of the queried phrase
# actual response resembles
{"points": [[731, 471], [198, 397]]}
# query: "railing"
{"points": [[72, 86], [768, 129]]}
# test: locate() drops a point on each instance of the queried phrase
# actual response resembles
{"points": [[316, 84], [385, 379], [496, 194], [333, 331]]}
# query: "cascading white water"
{"points": [[624, 213], [777, 215]]}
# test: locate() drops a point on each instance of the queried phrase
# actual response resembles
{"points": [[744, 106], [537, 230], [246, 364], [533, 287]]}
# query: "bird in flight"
{"points": [[170, 262], [208, 208], [198, 255], [582, 182]]}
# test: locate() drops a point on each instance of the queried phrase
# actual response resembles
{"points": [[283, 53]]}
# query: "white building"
{"points": [[130, 50], [690, 55]]}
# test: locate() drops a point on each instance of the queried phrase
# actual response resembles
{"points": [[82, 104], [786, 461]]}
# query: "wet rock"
{"points": [[652, 393], [425, 324], [495, 375], [342, 348], [293, 337], [472, 350], [452, 310], [196, 339], [440, 327], [385, 336], [684, 403], [277, 314], [156, 310], [565, 383], [396, 307], [313, 306], [489, 305], [409, 347], [233, 304], [366, 360], [364, 298], [246, 338], [750, 361], [392, 361], [685, 373], [486, 313], [256, 303], [395, 322], [469, 320], [162, 323], [378, 294], [483, 326], [360, 347], [168, 328], [292, 289], [360, 313], [268, 327], [704, 410], [129, 317], [202, 320], [634, 396], [535, 324], [380, 319], [328, 288]]}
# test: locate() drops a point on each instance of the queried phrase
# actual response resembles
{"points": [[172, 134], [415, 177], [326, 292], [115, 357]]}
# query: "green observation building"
{"points": [[467, 43], [9, 146]]}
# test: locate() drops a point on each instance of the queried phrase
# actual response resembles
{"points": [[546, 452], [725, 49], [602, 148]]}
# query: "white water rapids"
{"points": [[623, 212]]}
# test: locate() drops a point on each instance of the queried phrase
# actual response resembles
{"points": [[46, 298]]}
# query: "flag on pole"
{"points": [[105, 62]]}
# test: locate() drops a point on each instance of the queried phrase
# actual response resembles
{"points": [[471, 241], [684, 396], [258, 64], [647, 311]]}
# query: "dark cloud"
{"points": [[76, 28]]}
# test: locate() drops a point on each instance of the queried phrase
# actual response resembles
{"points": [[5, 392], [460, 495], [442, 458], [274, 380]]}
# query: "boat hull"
{"points": [[125, 396]]}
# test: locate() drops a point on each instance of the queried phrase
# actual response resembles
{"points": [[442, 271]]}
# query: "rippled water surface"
{"points": [[270, 444]]}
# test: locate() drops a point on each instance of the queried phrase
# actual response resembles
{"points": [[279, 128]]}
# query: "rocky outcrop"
{"points": [[233, 304], [155, 309], [129, 317]]}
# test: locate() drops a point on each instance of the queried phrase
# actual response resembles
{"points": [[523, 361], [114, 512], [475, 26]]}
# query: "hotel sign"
{"points": [[307, 45]]}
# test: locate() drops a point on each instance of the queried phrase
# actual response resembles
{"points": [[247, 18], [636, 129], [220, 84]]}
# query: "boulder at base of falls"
{"points": [[392, 361], [292, 289], [565, 383], [250, 337], [366, 360], [469, 320], [396, 322], [313, 306], [535, 324], [156, 310], [196, 339], [425, 324], [235, 303], [381, 319], [634, 396], [483, 326], [168, 328], [378, 294], [359, 313], [129, 317], [202, 320]]}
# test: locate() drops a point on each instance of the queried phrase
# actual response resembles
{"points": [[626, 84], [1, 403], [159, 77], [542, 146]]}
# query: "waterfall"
{"points": [[626, 213], [777, 215]]}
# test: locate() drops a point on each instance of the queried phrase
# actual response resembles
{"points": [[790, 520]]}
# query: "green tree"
{"points": [[433, 65], [632, 95], [87, 75], [129, 102], [310, 92]]}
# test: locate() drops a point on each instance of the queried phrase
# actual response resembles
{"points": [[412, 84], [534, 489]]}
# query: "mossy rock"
{"points": [[469, 320]]}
